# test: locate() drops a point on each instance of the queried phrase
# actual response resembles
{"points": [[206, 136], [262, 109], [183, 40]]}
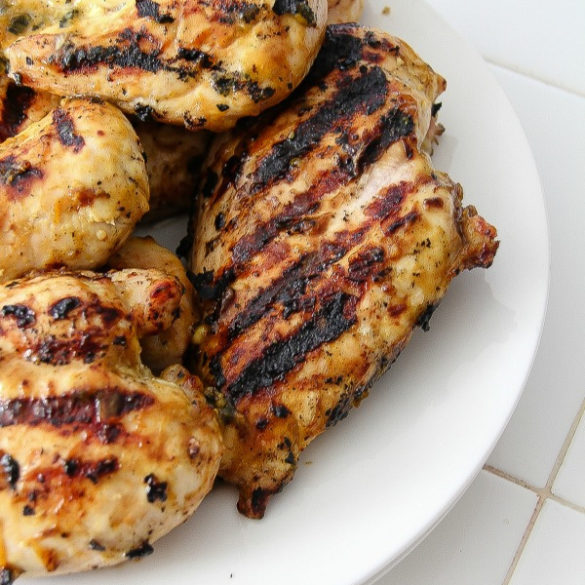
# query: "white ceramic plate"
{"points": [[374, 485]]}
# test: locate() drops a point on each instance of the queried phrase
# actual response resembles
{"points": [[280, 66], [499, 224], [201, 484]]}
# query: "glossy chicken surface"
{"points": [[72, 187], [324, 236], [98, 458], [344, 11], [200, 63], [163, 348]]}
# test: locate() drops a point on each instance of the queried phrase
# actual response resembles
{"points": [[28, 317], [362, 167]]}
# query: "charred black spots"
{"points": [[66, 130], [155, 490], [300, 7], [23, 314], [195, 56], [143, 550], [17, 176], [11, 469], [424, 318], [150, 9], [61, 309]]}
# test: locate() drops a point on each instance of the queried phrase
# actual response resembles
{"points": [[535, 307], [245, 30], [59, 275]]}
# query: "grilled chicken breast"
{"points": [[344, 11], [98, 458], [324, 236], [72, 187], [167, 347], [200, 63]]}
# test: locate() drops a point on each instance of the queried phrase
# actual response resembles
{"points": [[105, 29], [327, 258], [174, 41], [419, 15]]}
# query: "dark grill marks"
{"points": [[289, 289], [365, 93], [150, 9], [15, 106], [17, 177], [293, 213], [335, 317], [92, 470], [126, 53], [66, 130], [394, 125], [389, 202], [341, 50], [93, 409]]}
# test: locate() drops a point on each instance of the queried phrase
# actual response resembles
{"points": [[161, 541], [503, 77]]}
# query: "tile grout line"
{"points": [[542, 493], [533, 76]]}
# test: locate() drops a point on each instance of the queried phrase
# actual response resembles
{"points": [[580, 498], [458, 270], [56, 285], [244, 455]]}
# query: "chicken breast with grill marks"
{"points": [[72, 187], [203, 64], [324, 236], [98, 458]]}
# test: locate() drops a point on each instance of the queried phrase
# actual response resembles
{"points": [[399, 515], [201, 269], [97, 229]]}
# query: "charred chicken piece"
{"points": [[99, 458], [72, 187], [163, 348], [197, 63], [324, 236], [344, 11]]}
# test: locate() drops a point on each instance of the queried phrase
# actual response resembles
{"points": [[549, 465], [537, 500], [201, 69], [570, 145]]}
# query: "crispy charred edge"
{"points": [[16, 103], [93, 410]]}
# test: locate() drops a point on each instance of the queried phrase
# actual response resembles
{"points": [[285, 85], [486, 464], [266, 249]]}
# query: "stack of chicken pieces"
{"points": [[320, 235]]}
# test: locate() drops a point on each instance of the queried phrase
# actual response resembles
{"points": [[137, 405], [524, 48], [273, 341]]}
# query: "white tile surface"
{"points": [[476, 542], [542, 39], [570, 482], [554, 551], [553, 121]]}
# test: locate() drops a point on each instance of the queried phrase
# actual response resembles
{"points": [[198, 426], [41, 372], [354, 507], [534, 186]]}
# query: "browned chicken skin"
{"points": [[167, 347], [98, 458], [324, 236], [203, 64], [72, 187], [344, 11]]}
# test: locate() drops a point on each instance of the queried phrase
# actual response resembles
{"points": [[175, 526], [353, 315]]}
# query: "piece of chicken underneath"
{"points": [[98, 458], [341, 11], [73, 185], [195, 63], [324, 236], [168, 347]]}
